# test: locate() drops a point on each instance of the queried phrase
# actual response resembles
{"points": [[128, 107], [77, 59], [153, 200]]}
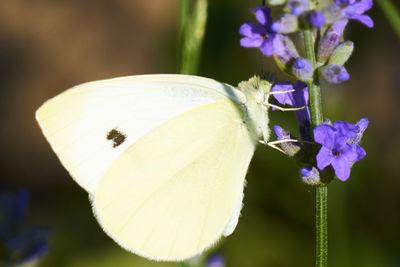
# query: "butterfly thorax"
{"points": [[256, 92]]}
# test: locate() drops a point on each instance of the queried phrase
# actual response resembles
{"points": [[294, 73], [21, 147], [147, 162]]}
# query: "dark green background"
{"points": [[47, 46]]}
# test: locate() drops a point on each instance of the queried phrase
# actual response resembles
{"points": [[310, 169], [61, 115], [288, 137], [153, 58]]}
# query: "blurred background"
{"points": [[47, 46]]}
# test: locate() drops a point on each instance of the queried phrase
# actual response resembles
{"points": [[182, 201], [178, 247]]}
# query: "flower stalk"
{"points": [[321, 192]]}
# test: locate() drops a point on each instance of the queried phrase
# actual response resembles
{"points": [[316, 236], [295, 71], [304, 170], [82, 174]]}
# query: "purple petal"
{"points": [[324, 158], [362, 6], [347, 129], [267, 47], [252, 29], [263, 15], [325, 135], [251, 41], [349, 152], [284, 99], [302, 89], [364, 19], [355, 153], [341, 167]]}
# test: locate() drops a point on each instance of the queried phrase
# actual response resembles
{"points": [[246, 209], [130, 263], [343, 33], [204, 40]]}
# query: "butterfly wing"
{"points": [[176, 190], [91, 125]]}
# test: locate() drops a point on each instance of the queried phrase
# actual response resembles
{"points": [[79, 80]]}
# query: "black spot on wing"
{"points": [[116, 136]]}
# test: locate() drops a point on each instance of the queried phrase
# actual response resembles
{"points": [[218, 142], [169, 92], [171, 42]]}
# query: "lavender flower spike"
{"points": [[259, 34], [335, 150]]}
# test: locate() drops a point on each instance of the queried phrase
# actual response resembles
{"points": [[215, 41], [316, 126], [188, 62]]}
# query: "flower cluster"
{"points": [[339, 141], [19, 243], [270, 36]]}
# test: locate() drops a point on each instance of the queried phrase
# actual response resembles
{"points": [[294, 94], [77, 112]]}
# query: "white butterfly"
{"points": [[163, 157]]}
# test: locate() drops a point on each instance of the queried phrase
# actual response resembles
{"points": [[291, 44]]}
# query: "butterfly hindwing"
{"points": [[174, 191]]}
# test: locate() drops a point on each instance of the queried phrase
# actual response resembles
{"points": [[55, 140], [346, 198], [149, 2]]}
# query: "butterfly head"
{"points": [[257, 92]]}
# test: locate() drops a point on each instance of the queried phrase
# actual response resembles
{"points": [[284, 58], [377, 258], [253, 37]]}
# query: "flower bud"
{"points": [[316, 19], [297, 7], [276, 2], [342, 53], [302, 69], [334, 73], [329, 41], [286, 23], [310, 175], [286, 55], [290, 148]]}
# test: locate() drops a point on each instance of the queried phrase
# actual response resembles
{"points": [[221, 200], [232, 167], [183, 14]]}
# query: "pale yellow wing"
{"points": [[91, 125], [176, 190]]}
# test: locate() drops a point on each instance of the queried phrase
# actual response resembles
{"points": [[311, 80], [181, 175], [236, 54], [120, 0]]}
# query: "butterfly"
{"points": [[163, 157]]}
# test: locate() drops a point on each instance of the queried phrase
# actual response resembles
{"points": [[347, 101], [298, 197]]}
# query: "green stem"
{"points": [[321, 192], [192, 28], [391, 13], [313, 86], [321, 225]]}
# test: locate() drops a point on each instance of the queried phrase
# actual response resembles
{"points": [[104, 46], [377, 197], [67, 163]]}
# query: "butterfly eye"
{"points": [[116, 136]]}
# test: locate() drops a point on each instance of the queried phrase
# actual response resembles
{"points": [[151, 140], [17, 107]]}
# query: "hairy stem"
{"points": [[321, 226], [321, 192]]}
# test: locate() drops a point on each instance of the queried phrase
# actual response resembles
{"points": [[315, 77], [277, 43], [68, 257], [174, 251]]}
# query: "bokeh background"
{"points": [[47, 46]]}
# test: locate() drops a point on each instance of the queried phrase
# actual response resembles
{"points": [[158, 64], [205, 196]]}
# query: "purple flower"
{"points": [[334, 73], [316, 19], [19, 243], [336, 149], [215, 260], [310, 175], [350, 9], [259, 34], [355, 10], [302, 69], [297, 7], [296, 99]]}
